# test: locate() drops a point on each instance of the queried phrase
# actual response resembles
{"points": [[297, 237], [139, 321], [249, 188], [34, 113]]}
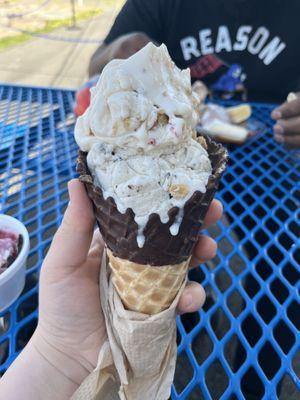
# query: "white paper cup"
{"points": [[12, 280]]}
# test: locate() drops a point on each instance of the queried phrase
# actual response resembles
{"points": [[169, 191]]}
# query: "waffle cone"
{"points": [[161, 248], [143, 288]]}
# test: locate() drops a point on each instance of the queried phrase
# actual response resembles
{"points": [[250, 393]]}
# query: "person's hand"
{"points": [[287, 127], [193, 296], [70, 315], [71, 327], [71, 322]]}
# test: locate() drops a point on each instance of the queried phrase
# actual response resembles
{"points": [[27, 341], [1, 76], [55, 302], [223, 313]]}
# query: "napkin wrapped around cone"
{"points": [[137, 361]]}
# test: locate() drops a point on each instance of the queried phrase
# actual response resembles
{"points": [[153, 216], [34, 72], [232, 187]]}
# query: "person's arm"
{"points": [[71, 328], [138, 22], [98, 60], [34, 376], [122, 47]]}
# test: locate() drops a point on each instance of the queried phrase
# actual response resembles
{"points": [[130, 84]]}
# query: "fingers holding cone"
{"points": [[192, 298], [205, 250], [214, 213], [71, 243]]}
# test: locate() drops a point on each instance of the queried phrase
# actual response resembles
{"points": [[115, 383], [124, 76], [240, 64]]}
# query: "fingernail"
{"points": [[279, 138], [278, 129], [188, 302], [70, 188], [276, 114]]}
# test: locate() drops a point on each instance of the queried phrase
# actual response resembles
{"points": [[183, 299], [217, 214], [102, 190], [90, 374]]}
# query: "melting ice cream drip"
{"points": [[140, 237], [174, 228]]}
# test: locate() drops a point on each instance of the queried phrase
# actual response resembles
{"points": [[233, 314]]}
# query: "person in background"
{"points": [[234, 46]]}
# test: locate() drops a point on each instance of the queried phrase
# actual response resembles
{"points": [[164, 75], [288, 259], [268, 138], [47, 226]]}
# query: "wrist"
{"points": [[70, 366], [50, 380], [38, 376]]}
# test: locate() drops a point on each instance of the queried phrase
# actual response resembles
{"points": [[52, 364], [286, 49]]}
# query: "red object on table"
{"points": [[83, 96]]}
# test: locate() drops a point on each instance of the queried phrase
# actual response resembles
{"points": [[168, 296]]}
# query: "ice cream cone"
{"points": [[151, 182], [147, 279], [144, 288]]}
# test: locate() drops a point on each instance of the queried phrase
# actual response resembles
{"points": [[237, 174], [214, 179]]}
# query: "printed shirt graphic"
{"points": [[226, 43], [220, 77]]}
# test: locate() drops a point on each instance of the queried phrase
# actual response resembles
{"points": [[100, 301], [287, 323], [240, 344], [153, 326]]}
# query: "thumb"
{"points": [[73, 238]]}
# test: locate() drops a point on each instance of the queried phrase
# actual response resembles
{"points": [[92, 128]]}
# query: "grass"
{"points": [[50, 26], [13, 40]]}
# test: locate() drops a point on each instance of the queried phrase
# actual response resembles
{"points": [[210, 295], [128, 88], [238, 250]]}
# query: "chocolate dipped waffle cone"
{"points": [[142, 287]]}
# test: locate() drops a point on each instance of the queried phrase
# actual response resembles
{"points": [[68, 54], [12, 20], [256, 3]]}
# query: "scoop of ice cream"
{"points": [[150, 184], [8, 249], [141, 102]]}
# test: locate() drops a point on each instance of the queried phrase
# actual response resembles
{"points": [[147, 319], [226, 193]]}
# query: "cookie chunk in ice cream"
{"points": [[139, 136]]}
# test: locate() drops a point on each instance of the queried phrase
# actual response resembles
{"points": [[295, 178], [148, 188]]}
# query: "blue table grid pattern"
{"points": [[253, 282]]}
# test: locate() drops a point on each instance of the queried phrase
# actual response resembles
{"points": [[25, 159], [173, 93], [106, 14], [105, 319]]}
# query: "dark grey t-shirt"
{"points": [[224, 41]]}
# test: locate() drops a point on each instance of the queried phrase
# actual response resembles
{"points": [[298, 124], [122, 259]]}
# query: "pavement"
{"points": [[42, 62]]}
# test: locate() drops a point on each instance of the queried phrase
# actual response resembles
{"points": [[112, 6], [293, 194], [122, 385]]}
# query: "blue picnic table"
{"points": [[248, 330]]}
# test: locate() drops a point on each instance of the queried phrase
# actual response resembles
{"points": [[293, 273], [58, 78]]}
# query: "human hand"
{"points": [[71, 327], [71, 322], [287, 127], [193, 296], [70, 314], [64, 348]]}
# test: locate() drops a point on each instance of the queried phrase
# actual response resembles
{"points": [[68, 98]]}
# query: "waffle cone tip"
{"points": [[144, 288]]}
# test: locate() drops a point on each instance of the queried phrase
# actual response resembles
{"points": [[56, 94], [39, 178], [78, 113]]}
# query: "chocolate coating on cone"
{"points": [[119, 230]]}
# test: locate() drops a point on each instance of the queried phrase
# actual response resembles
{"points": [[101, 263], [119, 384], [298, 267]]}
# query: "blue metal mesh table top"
{"points": [[252, 312]]}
